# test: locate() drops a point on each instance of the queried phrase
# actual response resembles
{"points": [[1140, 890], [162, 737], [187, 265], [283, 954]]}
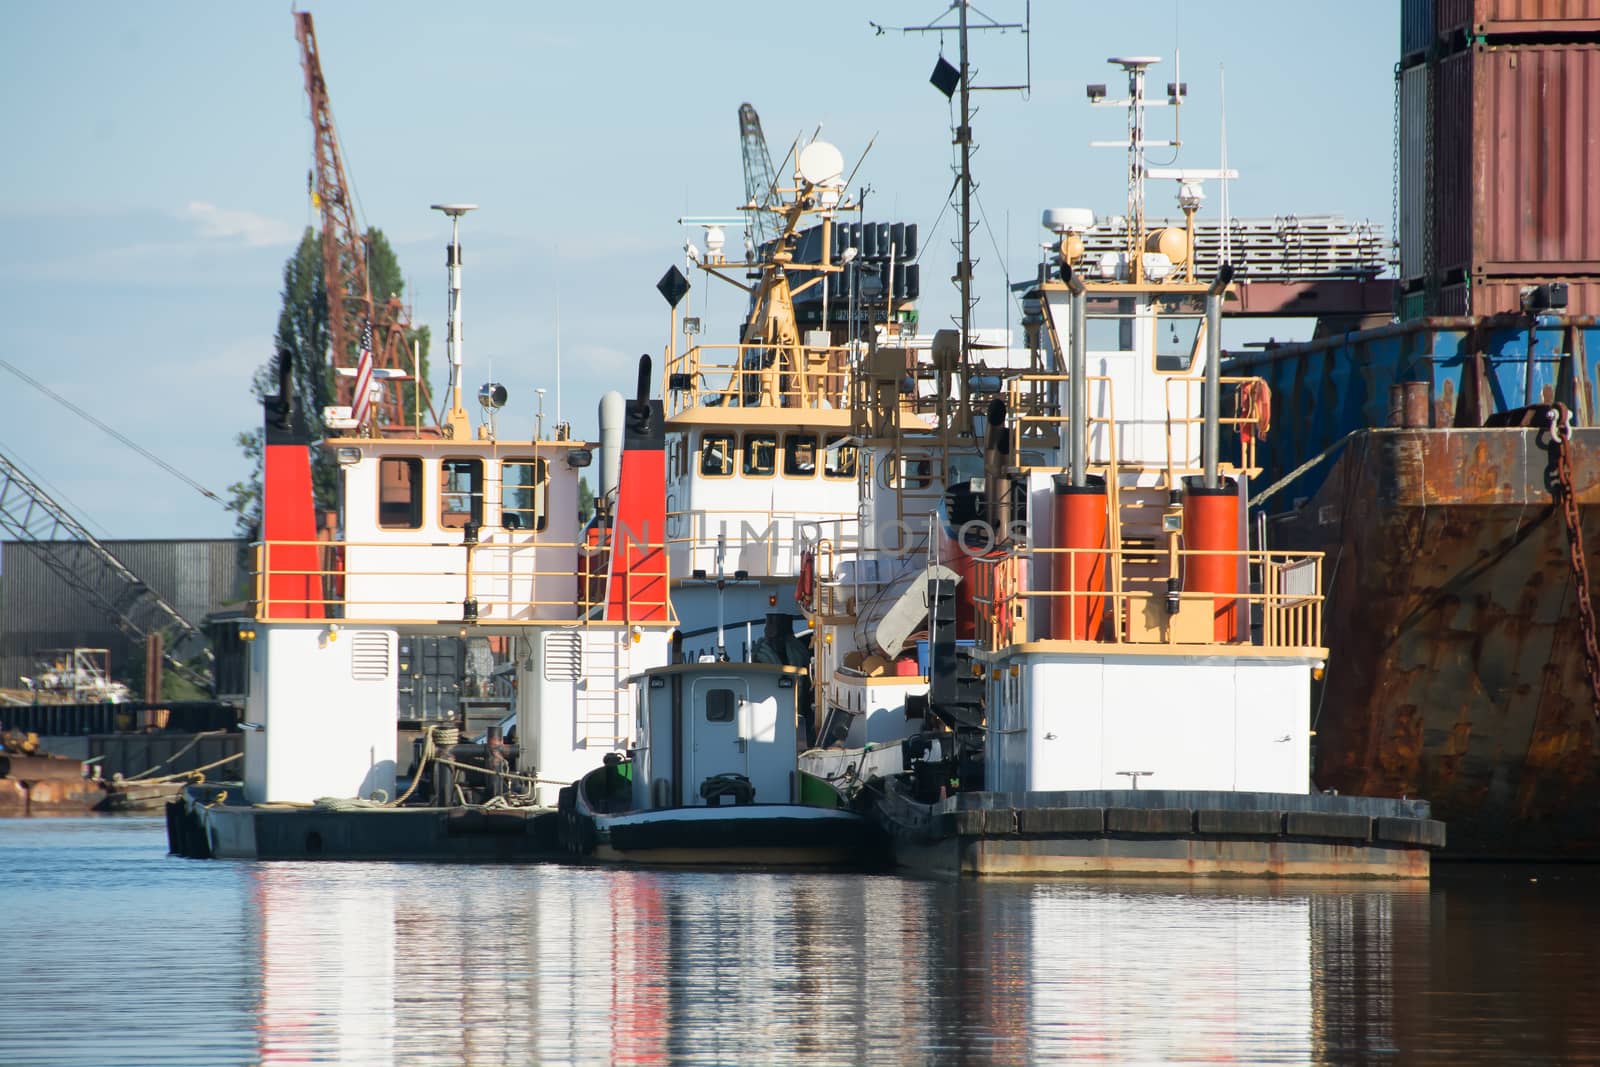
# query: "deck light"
{"points": [[348, 456], [1097, 92]]}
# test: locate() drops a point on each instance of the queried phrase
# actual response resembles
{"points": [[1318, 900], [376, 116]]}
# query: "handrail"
{"points": [[507, 580], [1290, 618], [759, 375]]}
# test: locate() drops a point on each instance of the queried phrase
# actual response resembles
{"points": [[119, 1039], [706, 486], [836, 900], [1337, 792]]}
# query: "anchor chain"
{"points": [[1561, 437]]}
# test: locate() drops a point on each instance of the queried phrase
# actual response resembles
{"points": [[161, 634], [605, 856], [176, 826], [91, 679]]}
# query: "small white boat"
{"points": [[713, 779]]}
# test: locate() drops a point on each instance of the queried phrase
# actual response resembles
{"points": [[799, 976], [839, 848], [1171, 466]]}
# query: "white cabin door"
{"points": [[718, 708]]}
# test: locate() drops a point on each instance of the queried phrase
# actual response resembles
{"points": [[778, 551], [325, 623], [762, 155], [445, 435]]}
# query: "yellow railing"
{"points": [[772, 376], [1192, 422], [1140, 611], [430, 582]]}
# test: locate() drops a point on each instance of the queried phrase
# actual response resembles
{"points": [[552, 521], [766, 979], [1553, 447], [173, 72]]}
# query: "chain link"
{"points": [[1561, 438]]}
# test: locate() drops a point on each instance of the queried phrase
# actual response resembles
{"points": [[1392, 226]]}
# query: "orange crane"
{"points": [[344, 262]]}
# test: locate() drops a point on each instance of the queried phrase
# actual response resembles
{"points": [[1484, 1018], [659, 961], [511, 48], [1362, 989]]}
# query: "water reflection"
{"points": [[551, 965], [134, 957]]}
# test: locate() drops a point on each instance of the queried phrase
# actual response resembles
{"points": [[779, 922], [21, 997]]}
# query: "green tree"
{"points": [[387, 280], [585, 499], [303, 330]]}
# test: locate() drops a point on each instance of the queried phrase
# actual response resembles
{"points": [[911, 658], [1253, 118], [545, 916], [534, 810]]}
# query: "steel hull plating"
{"points": [[759, 835], [1456, 667], [1162, 833]]}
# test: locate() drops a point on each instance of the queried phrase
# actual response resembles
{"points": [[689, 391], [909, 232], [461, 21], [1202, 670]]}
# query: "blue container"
{"points": [[922, 653], [1322, 390]]}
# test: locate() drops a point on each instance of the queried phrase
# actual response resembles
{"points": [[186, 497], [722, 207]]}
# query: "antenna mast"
{"points": [[948, 80]]}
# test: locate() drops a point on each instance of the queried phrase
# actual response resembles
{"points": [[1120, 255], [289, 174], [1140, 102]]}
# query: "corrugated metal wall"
{"points": [[1499, 155], [1495, 296], [1452, 163], [1415, 160], [1417, 29], [38, 611], [1536, 159], [1502, 17]]}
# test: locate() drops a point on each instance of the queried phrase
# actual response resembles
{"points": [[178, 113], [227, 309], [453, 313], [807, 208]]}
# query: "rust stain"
{"points": [[1454, 671]]}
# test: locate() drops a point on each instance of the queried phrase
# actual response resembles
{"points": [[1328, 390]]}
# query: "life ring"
{"points": [[804, 583], [1252, 404]]}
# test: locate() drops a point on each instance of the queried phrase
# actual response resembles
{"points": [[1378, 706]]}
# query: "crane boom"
{"points": [[351, 305], [760, 183], [78, 558]]}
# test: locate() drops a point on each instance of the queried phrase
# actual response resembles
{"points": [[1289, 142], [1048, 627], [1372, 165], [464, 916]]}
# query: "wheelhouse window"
{"points": [[400, 493], [1109, 326], [716, 455], [760, 455], [460, 492], [800, 455], [907, 472], [839, 458], [720, 705], [524, 485], [1175, 342]]}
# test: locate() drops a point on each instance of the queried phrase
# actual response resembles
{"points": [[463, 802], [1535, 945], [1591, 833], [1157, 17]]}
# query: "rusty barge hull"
{"points": [[1456, 668]]}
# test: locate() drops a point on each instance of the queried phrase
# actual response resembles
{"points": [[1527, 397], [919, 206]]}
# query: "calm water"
{"points": [[114, 953]]}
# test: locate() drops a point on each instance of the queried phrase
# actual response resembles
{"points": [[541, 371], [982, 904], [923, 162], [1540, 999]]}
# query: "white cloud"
{"points": [[222, 224]]}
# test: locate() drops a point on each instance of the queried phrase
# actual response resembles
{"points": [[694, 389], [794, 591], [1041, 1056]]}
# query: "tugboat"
{"points": [[1136, 697], [452, 533], [713, 779]]}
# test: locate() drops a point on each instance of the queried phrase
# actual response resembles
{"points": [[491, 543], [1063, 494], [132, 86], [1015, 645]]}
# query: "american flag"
{"points": [[362, 399]]}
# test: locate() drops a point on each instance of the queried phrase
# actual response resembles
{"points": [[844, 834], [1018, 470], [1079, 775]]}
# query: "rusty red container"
{"points": [[1509, 18], [1516, 161]]}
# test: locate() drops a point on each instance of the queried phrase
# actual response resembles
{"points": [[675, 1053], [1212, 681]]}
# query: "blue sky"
{"points": [[154, 179]]}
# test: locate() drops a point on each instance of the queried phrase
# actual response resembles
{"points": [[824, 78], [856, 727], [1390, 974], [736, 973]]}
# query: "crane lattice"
{"points": [[344, 256], [78, 558], [760, 183]]}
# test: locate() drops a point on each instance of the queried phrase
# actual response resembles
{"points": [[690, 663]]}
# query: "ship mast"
{"points": [[949, 80]]}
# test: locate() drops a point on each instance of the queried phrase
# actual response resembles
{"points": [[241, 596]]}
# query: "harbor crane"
{"points": [[351, 303], [78, 558], [760, 182]]}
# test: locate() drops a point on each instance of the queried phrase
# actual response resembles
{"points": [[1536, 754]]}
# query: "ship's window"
{"points": [[460, 492], [524, 484], [400, 494], [716, 455], [719, 705], [1110, 330], [1175, 342], [760, 454], [800, 455], [839, 458], [907, 472], [680, 458]]}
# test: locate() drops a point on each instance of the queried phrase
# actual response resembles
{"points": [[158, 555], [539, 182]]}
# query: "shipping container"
{"points": [[1516, 158], [1416, 172], [1501, 18], [1496, 296], [1417, 30]]}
